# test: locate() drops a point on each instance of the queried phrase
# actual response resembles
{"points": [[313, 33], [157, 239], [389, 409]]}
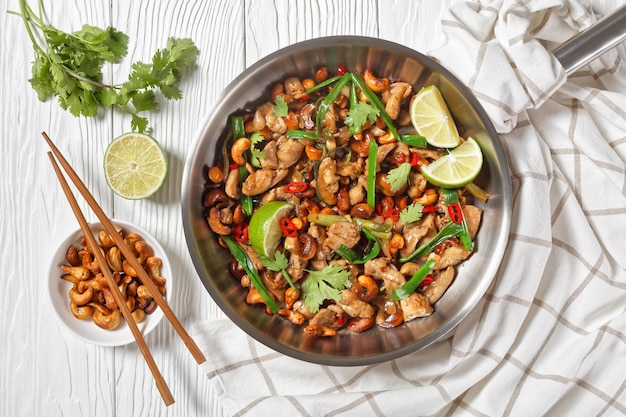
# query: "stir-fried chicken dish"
{"points": [[320, 198]]}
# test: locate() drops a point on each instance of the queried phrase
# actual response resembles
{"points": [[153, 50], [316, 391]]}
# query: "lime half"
{"points": [[431, 118], [457, 168], [135, 166], [264, 229]]}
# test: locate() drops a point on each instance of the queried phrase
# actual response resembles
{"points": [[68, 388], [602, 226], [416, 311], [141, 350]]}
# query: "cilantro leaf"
{"points": [[411, 213], [279, 262], [69, 67], [399, 176], [360, 114], [280, 108], [324, 285], [256, 153]]}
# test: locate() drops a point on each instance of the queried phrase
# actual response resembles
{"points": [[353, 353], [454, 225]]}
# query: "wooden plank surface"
{"points": [[45, 370]]}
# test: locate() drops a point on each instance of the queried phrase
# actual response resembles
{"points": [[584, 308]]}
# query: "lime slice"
{"points": [[264, 229], [457, 168], [135, 166], [431, 118]]}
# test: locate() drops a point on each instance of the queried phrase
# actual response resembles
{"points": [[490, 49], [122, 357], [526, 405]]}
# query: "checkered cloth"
{"points": [[549, 337]]}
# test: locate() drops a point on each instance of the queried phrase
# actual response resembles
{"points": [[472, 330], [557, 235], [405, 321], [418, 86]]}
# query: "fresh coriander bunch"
{"points": [[69, 66]]}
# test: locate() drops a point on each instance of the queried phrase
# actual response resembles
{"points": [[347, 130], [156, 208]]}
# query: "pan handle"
{"points": [[591, 43]]}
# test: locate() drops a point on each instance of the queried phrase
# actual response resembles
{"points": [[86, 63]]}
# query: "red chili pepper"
{"points": [[398, 158], [456, 213], [429, 209], [296, 187], [286, 225], [233, 166], [415, 159], [340, 320], [341, 70], [240, 234], [393, 214], [428, 279], [304, 97]]}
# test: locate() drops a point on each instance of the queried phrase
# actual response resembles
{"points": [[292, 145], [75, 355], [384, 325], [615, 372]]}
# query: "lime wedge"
{"points": [[431, 118], [264, 229], [135, 166], [457, 168]]}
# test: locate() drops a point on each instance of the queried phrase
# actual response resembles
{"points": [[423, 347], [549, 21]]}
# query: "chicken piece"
{"points": [[289, 152], [355, 307], [338, 233], [270, 161], [451, 256], [394, 96], [414, 306], [280, 194], [417, 184], [383, 151], [441, 282], [328, 181], [472, 216], [382, 268], [296, 267], [262, 180], [356, 194], [326, 317], [350, 169], [413, 234], [253, 255]]}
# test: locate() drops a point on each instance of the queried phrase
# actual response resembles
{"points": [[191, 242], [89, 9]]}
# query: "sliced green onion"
{"points": [[237, 127], [448, 231], [411, 285], [242, 257], [371, 251], [416, 141], [477, 192], [322, 84], [329, 99], [326, 219], [246, 201], [371, 173], [380, 230], [300, 134]]}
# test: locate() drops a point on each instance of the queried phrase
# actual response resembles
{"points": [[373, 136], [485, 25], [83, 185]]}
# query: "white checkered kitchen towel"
{"points": [[549, 337]]}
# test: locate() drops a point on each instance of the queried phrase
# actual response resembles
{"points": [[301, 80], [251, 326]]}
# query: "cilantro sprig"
{"points": [[255, 154], [324, 285], [399, 176], [360, 114], [278, 264], [411, 213], [69, 67]]}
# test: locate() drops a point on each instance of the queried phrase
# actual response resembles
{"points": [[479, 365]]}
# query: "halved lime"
{"points": [[135, 166], [264, 229], [457, 168], [431, 118]]}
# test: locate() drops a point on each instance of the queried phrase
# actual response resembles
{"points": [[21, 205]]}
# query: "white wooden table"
{"points": [[45, 370]]}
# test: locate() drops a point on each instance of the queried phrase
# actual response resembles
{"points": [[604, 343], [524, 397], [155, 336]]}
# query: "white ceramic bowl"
{"points": [[87, 330]]}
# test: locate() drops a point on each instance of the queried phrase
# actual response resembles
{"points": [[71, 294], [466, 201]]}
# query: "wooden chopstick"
{"points": [[143, 275], [106, 271]]}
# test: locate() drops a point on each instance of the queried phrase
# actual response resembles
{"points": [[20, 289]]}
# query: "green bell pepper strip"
{"points": [[371, 251], [328, 100], [455, 211], [373, 98], [415, 141], [322, 84], [371, 173], [448, 231], [300, 134], [242, 257], [411, 285]]}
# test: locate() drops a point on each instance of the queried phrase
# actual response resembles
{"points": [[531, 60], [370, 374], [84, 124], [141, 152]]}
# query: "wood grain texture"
{"points": [[45, 371]]}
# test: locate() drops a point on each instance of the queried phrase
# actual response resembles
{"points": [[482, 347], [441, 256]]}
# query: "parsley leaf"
{"points": [[360, 114], [411, 213], [399, 176], [69, 67], [256, 154], [324, 285], [280, 108]]}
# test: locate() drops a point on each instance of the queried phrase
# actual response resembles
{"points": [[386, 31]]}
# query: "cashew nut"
{"points": [[377, 85], [237, 150]]}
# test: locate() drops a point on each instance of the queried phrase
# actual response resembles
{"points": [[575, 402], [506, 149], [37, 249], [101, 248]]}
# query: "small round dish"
{"points": [[87, 330]]}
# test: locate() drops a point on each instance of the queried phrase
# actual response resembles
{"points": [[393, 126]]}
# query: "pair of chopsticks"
{"points": [[126, 251]]}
